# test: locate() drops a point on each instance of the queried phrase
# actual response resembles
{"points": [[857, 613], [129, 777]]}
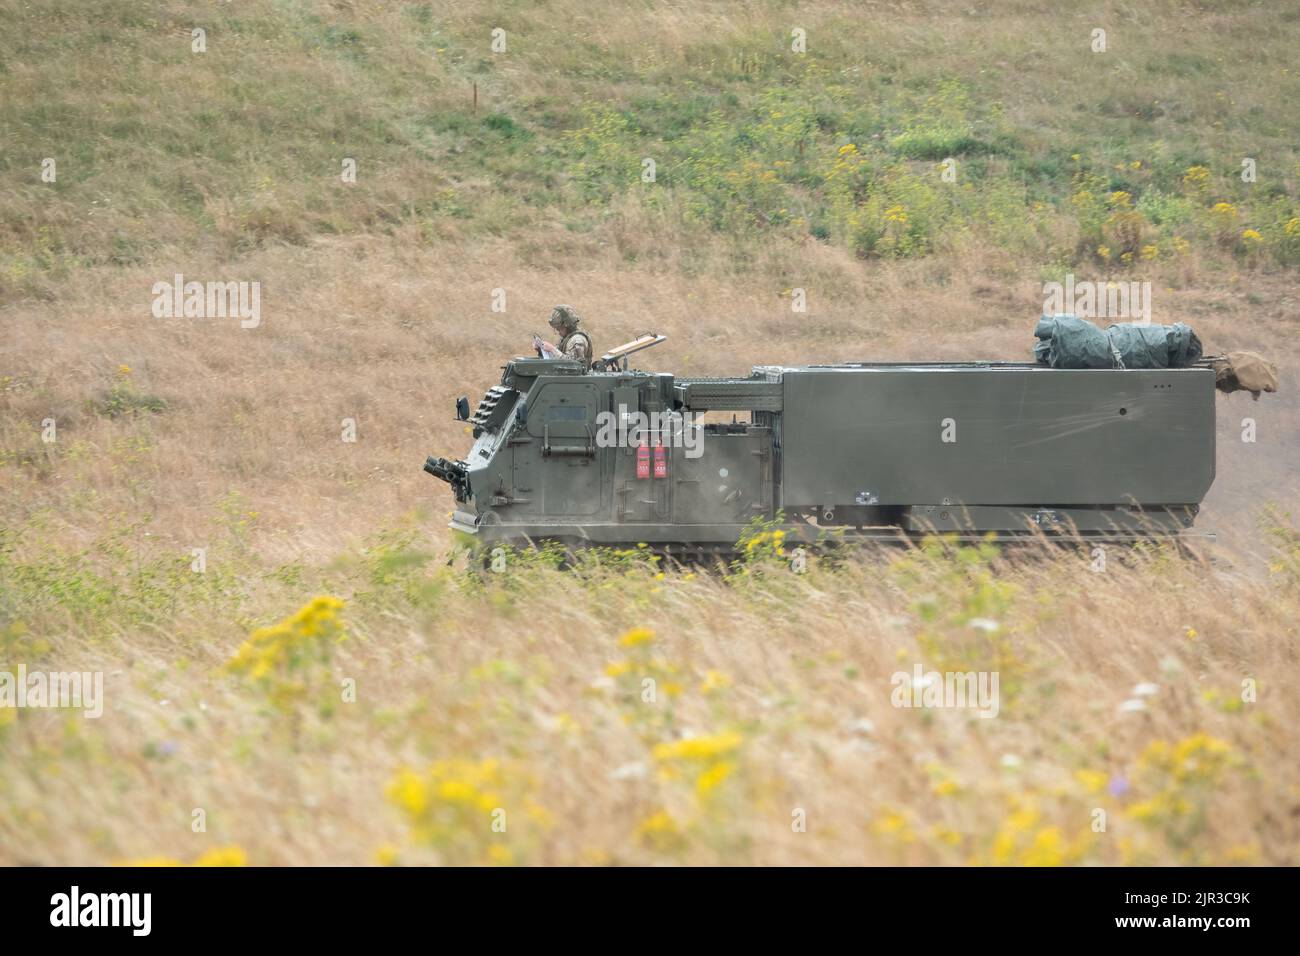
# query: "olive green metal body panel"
{"points": [[996, 435], [878, 451]]}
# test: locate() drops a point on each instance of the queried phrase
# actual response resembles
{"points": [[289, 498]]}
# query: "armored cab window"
{"points": [[567, 413]]}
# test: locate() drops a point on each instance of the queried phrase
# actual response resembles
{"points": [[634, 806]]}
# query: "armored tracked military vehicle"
{"points": [[869, 451]]}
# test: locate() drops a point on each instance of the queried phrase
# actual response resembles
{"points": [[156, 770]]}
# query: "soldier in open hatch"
{"points": [[575, 343]]}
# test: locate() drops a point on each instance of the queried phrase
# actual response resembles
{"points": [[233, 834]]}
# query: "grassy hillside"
{"points": [[522, 170], [1063, 156]]}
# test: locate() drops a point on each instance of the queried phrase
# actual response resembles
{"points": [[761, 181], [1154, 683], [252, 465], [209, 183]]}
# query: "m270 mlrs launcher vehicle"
{"points": [[607, 456]]}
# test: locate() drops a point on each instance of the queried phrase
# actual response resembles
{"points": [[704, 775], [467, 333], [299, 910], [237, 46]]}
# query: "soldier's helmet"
{"points": [[564, 318]]}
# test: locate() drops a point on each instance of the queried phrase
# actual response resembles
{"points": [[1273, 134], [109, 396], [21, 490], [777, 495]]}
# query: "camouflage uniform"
{"points": [[576, 344]]}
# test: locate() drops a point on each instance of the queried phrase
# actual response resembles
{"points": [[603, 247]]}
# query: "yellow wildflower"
{"points": [[636, 637], [153, 861], [945, 835], [714, 681], [660, 830], [699, 748], [408, 791], [893, 824], [946, 788], [1048, 849], [217, 856], [712, 778], [223, 856], [1092, 780], [1196, 177]]}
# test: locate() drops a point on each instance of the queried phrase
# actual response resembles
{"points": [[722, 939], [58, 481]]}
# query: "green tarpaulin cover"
{"points": [[1067, 341]]}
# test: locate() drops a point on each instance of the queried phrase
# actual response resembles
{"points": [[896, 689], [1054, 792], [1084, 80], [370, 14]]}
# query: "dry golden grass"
{"points": [[799, 671], [523, 690], [515, 669], [388, 335]]}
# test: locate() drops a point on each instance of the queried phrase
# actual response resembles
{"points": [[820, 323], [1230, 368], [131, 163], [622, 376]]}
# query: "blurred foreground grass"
{"points": [[618, 712]]}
